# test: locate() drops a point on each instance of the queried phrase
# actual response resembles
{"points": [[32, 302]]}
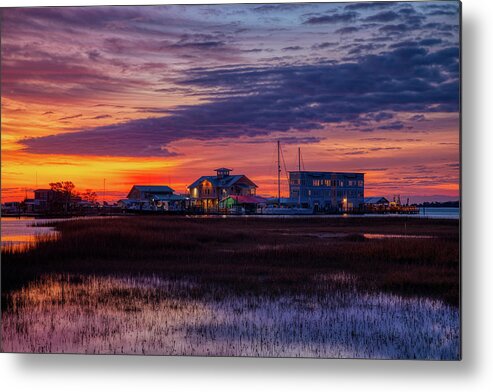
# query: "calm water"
{"points": [[20, 233], [429, 212], [155, 316], [451, 213]]}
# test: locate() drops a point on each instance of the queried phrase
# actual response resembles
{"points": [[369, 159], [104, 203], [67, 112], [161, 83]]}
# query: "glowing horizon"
{"points": [[166, 94]]}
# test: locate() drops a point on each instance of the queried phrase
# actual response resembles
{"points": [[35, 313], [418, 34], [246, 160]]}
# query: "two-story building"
{"points": [[327, 191], [43, 199], [207, 191], [153, 198]]}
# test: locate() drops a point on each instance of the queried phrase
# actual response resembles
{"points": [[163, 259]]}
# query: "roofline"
{"points": [[167, 186], [315, 171], [202, 178], [136, 186]]}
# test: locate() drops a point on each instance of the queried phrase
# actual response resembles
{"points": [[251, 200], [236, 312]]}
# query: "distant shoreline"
{"points": [[424, 214]]}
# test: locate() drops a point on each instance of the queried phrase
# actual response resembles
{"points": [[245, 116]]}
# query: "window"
{"points": [[360, 183], [316, 182], [327, 182]]}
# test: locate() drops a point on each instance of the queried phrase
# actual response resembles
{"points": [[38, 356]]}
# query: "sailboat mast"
{"points": [[299, 159], [299, 177], [279, 172]]}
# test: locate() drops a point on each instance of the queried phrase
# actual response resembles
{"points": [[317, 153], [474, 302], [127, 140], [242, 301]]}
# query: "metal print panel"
{"points": [[274, 180]]}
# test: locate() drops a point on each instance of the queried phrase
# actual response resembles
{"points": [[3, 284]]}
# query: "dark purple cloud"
{"points": [[390, 58], [418, 118], [347, 30], [70, 117], [100, 117], [333, 18], [385, 16], [254, 101], [278, 7], [324, 45], [292, 48], [396, 125], [368, 5], [430, 41]]}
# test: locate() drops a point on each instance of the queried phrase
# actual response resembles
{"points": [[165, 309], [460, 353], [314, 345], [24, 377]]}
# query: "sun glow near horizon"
{"points": [[165, 94]]}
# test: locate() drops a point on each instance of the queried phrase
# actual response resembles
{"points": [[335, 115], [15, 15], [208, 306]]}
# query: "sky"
{"points": [[108, 97]]}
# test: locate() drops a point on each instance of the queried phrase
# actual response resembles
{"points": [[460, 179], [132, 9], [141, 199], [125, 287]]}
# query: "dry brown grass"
{"points": [[253, 256]]}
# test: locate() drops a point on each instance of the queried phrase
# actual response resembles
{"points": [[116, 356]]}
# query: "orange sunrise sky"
{"points": [[165, 94]]}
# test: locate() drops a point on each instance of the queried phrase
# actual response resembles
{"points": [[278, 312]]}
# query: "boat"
{"points": [[280, 209], [287, 211]]}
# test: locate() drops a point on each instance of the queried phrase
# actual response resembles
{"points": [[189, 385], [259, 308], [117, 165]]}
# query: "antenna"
{"points": [[104, 190]]}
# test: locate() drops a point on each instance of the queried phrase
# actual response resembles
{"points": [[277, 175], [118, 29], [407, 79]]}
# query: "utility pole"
{"points": [[104, 190]]}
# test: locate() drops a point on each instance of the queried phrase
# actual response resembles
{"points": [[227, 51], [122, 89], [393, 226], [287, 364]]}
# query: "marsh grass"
{"points": [[248, 256], [150, 315]]}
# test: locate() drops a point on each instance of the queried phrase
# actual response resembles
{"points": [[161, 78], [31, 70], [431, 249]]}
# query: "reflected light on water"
{"points": [[149, 315]]}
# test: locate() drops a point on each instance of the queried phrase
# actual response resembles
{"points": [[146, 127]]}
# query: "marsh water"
{"points": [[20, 233], [149, 315]]}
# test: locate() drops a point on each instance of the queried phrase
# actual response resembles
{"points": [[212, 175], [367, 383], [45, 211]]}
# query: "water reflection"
{"points": [[372, 236], [20, 234], [149, 315]]}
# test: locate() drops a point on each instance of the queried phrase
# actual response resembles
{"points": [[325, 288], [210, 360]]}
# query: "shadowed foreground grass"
{"points": [[252, 256]]}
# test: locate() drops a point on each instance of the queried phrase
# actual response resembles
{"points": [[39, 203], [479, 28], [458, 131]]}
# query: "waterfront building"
{"points": [[207, 192], [238, 204], [43, 199], [376, 204], [11, 207], [327, 191], [153, 198]]}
